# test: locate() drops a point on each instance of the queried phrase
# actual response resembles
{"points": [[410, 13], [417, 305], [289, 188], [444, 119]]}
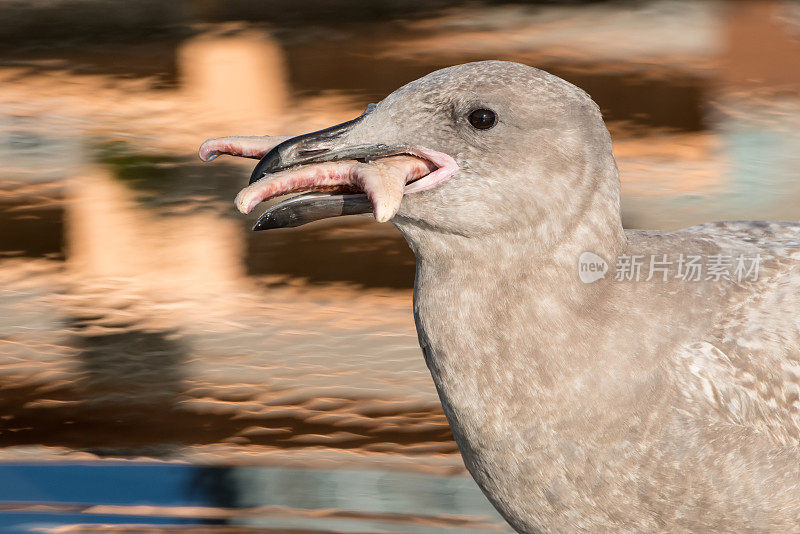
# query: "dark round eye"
{"points": [[482, 119]]}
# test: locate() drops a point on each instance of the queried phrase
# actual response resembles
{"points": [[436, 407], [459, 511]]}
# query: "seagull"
{"points": [[595, 379]]}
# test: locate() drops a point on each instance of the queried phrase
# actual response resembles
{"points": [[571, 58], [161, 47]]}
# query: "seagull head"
{"points": [[469, 150]]}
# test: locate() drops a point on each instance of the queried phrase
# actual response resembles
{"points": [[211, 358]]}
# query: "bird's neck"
{"points": [[522, 352], [504, 298], [505, 322]]}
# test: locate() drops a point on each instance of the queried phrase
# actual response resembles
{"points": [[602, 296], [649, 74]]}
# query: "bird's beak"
{"points": [[330, 144], [344, 174], [314, 147]]}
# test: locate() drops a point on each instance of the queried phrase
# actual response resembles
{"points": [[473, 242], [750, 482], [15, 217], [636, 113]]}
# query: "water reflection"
{"points": [[264, 499], [754, 31], [139, 317], [219, 486], [32, 231], [355, 251], [239, 74], [110, 233], [126, 379]]}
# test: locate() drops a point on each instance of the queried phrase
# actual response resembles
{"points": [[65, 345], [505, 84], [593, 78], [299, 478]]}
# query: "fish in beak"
{"points": [[337, 177]]}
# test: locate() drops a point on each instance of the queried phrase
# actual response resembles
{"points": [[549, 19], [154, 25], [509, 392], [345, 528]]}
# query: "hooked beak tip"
{"points": [[265, 223]]}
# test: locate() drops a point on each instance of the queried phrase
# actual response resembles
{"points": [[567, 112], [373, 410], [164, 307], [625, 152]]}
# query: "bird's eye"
{"points": [[482, 119]]}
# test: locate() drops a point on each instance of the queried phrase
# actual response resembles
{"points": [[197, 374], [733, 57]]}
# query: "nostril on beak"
{"points": [[312, 152]]}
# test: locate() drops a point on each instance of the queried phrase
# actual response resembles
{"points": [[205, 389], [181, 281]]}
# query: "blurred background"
{"points": [[164, 369]]}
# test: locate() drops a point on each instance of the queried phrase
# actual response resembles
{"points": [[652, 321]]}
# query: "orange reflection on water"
{"points": [[242, 76], [109, 234]]}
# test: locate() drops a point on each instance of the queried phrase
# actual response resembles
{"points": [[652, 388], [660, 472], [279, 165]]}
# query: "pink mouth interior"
{"points": [[384, 180]]}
